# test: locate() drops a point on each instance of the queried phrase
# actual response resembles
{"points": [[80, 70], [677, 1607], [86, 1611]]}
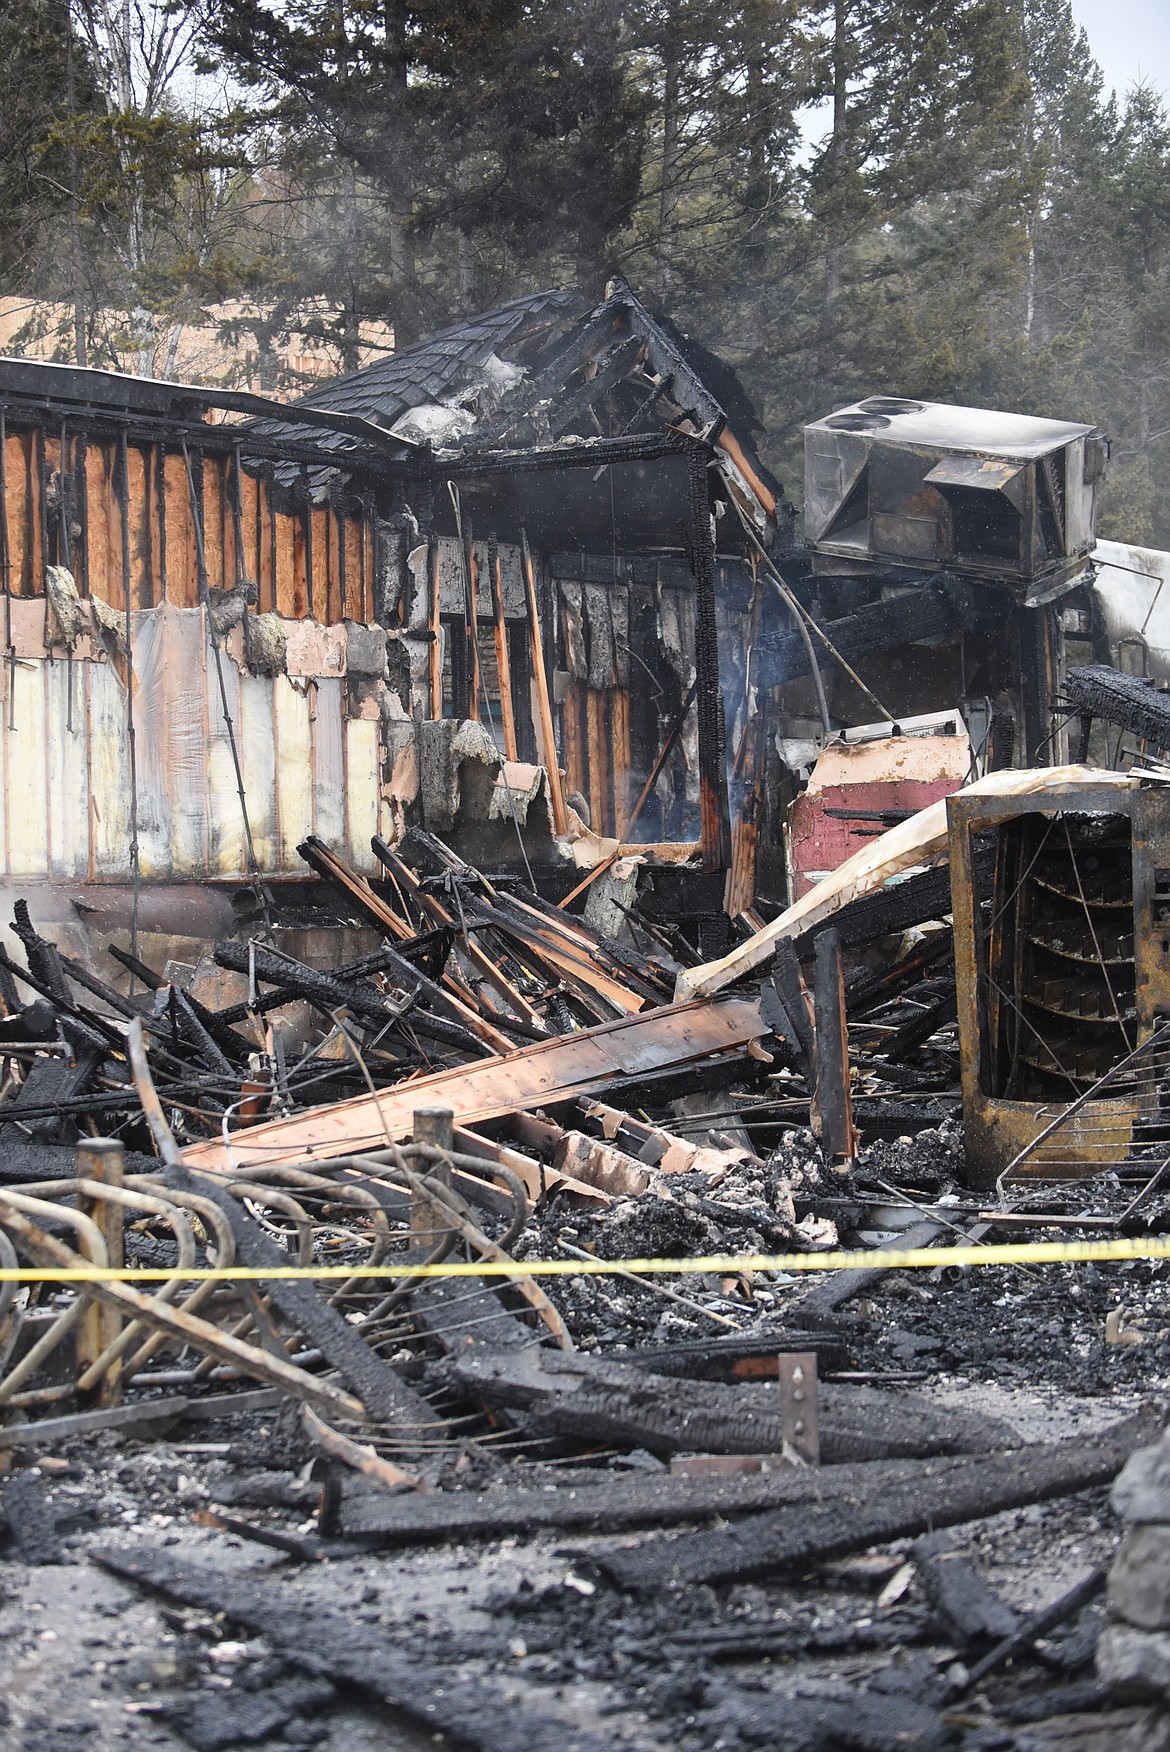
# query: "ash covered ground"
{"points": [[844, 1654]]}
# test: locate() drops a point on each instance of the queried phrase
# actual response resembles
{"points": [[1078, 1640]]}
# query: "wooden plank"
{"points": [[611, 1504], [31, 573], [182, 574], [265, 566], [232, 565], [832, 1105], [730, 443], [355, 604], [943, 1495], [143, 516], [14, 511], [503, 660], [326, 864], [471, 629], [573, 720], [571, 965], [212, 513], [292, 599], [319, 542], [476, 1714], [548, 741], [433, 909], [249, 490], [334, 561], [436, 629], [616, 1402], [548, 1072], [599, 792], [619, 717]]}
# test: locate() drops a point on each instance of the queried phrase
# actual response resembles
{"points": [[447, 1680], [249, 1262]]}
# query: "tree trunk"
{"points": [[77, 263], [668, 198], [837, 153]]}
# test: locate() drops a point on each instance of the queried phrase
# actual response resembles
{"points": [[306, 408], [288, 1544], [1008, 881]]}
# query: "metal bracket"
{"points": [[796, 1380]]}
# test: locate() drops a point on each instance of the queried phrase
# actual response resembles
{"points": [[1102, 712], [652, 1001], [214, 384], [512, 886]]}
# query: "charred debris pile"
{"points": [[536, 563], [700, 1510]]}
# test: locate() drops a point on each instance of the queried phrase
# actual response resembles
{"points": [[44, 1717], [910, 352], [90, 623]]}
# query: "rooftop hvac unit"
{"points": [[1009, 498]]}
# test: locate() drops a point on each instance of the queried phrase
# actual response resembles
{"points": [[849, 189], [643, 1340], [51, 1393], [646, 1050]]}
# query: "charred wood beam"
{"points": [[841, 1286], [941, 1495], [548, 381], [74, 391], [918, 1029], [49, 1083], [23, 1161], [584, 453], [611, 369], [967, 1608], [622, 959], [832, 1106], [476, 1714], [896, 908], [740, 1358], [327, 994], [652, 1087], [714, 805], [866, 991], [785, 1009], [106, 424], [194, 1033], [42, 956], [81, 1027], [845, 1715], [919, 617], [430, 950], [609, 1506], [608, 571], [1038, 1624], [215, 1023], [1129, 701], [598, 1399]]}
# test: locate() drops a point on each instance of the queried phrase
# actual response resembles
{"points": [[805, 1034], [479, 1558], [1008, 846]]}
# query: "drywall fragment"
{"points": [[314, 650]]}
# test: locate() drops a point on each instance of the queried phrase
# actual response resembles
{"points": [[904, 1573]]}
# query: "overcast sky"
{"points": [[1130, 40]]}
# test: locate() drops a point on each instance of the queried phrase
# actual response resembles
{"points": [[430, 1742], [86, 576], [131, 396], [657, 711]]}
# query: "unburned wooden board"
{"points": [[533, 1076]]}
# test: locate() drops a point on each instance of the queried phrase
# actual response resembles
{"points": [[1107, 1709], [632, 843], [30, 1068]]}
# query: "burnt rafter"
{"points": [[1130, 701], [616, 337], [611, 369]]}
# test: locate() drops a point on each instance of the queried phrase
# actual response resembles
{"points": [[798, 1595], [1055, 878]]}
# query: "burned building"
{"points": [[225, 633], [527, 585]]}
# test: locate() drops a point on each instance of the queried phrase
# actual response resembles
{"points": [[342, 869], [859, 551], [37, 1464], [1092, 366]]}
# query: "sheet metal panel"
{"points": [[257, 744], [328, 764], [68, 774], [108, 772], [26, 772], [363, 791], [226, 853], [65, 792], [294, 765]]}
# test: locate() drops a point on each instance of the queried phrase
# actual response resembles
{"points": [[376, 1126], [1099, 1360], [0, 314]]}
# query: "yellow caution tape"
{"points": [[724, 1264]]}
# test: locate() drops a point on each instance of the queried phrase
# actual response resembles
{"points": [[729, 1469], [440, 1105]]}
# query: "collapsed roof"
{"points": [[543, 374]]}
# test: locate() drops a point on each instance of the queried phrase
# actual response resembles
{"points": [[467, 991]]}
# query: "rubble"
{"points": [[544, 1461], [609, 885]]}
